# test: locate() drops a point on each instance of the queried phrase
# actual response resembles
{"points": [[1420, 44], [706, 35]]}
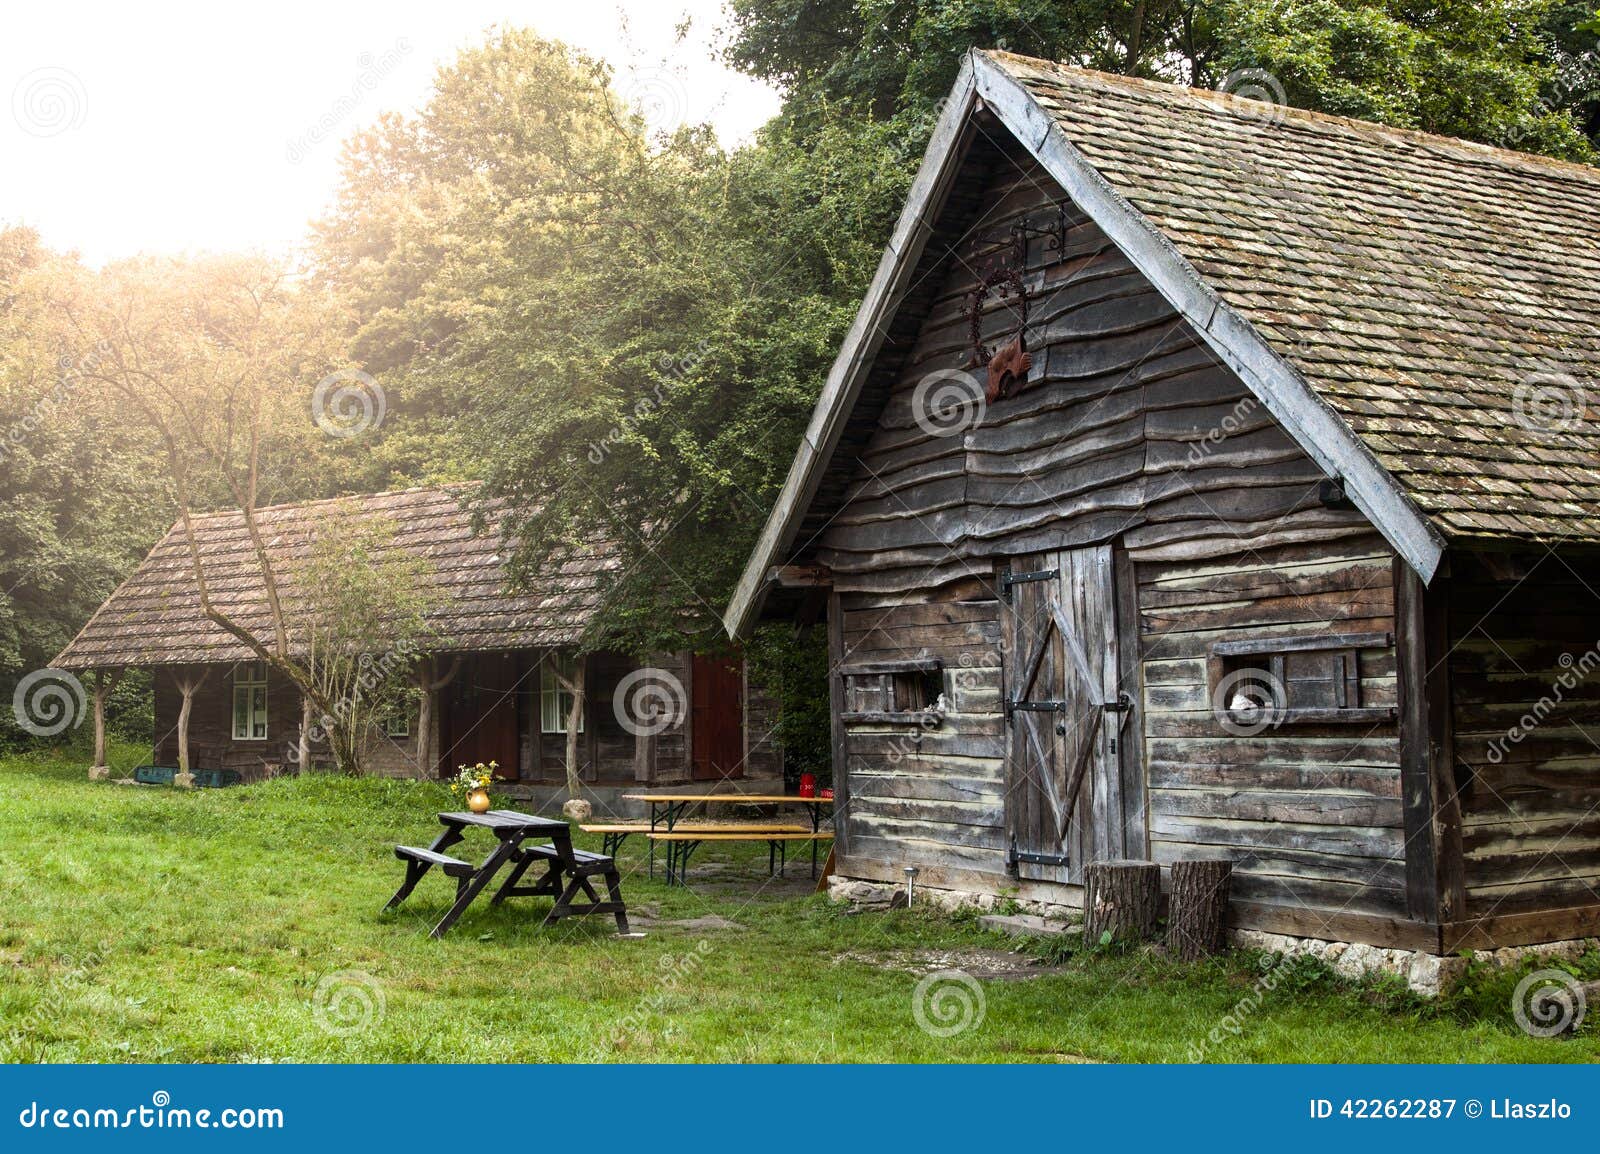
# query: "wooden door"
{"points": [[716, 726], [1064, 714], [481, 719]]}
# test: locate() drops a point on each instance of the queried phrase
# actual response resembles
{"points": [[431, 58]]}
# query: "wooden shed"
{"points": [[487, 685], [1203, 478]]}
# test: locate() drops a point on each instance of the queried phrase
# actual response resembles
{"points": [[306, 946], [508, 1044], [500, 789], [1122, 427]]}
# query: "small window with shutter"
{"points": [[903, 692], [1267, 682]]}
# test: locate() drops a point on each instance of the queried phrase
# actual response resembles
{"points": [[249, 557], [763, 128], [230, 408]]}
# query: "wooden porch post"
{"points": [[644, 756], [575, 806], [105, 683], [188, 686], [303, 749], [430, 685]]}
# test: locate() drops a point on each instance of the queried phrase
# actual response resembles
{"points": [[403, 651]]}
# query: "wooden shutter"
{"points": [[1064, 713]]}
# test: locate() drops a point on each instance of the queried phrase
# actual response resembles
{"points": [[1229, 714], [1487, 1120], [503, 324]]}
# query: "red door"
{"points": [[717, 723], [480, 716]]}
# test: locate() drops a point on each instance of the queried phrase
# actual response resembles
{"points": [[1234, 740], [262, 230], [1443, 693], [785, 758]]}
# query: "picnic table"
{"points": [[667, 808], [568, 871]]}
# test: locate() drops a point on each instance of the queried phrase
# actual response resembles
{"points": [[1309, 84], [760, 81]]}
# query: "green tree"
{"points": [[1518, 72], [358, 621], [79, 499], [632, 331]]}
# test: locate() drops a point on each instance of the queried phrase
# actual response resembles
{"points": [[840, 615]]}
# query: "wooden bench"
{"points": [[452, 866], [682, 841], [615, 833]]}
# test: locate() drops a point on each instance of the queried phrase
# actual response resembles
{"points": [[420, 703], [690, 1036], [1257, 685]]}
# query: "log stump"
{"points": [[1123, 897], [1197, 918]]}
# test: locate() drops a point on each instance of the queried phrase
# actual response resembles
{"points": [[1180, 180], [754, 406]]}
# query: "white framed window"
{"points": [[555, 702], [250, 701], [397, 724]]}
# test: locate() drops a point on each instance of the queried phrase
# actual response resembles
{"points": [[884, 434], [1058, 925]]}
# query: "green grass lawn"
{"points": [[147, 924]]}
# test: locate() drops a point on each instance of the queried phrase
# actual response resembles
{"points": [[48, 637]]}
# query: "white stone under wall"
{"points": [[1427, 974]]}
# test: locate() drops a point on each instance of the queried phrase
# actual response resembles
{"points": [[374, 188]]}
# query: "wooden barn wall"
{"points": [[1309, 814], [211, 742], [1130, 431], [1524, 680], [606, 750], [763, 756], [930, 797], [1129, 428]]}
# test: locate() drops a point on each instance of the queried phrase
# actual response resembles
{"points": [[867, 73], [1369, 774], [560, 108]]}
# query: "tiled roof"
{"points": [[1442, 297], [154, 617]]}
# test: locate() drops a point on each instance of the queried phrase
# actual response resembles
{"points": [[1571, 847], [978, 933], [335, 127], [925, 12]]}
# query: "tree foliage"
{"points": [[357, 625], [631, 331], [1518, 73], [79, 501]]}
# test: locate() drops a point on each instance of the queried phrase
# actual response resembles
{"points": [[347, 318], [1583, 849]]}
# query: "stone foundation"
{"points": [[1427, 974]]}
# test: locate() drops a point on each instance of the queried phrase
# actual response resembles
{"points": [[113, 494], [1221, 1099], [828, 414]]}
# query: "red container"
{"points": [[826, 795], [808, 785]]}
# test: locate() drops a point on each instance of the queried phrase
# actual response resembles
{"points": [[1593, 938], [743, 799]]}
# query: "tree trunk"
{"points": [[303, 749], [430, 685], [188, 686], [1122, 897], [1197, 920], [574, 728], [105, 681], [576, 807], [425, 768]]}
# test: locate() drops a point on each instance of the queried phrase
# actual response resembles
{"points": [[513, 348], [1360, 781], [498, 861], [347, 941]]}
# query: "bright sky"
{"points": [[172, 127]]}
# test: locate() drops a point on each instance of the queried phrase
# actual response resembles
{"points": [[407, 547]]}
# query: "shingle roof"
{"points": [[1442, 297], [154, 617]]}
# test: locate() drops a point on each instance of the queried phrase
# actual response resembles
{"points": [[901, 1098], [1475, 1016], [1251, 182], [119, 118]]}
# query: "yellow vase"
{"points": [[478, 801]]}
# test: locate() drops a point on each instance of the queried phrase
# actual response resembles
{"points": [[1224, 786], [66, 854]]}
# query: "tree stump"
{"points": [[1197, 919], [1123, 897]]}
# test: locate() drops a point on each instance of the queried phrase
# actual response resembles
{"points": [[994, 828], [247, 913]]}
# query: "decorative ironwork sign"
{"points": [[1008, 362]]}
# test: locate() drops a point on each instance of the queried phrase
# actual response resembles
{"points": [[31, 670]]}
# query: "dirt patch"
{"points": [[987, 965]]}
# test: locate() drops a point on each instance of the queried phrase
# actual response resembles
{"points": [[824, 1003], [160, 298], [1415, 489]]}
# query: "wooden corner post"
{"points": [[1431, 812]]}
